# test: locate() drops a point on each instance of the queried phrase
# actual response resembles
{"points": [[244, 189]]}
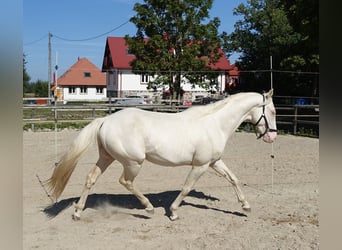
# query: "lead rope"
{"points": [[56, 144], [42, 183], [272, 170], [272, 151], [46, 192]]}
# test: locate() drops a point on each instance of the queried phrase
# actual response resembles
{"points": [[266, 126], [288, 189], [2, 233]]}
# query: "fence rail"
{"points": [[289, 117], [296, 115]]}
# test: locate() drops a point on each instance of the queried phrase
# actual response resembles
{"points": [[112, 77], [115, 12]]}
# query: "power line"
{"points": [[223, 71], [77, 40], [296, 72], [93, 37], [279, 71], [35, 41]]}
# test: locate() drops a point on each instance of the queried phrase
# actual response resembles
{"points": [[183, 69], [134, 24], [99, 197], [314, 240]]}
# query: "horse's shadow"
{"points": [[129, 201]]}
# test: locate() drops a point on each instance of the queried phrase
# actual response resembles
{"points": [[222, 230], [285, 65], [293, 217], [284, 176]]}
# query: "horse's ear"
{"points": [[269, 93], [268, 97]]}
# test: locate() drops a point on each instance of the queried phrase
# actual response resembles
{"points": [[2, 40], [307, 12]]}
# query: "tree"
{"points": [[26, 77], [40, 88], [173, 41], [303, 16], [275, 28]]}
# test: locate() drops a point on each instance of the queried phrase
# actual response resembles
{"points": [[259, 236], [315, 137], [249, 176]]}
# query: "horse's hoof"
{"points": [[247, 209], [76, 217], [149, 210], [174, 217]]}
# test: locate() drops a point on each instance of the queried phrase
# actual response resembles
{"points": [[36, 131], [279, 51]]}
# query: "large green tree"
{"points": [[174, 39], [303, 15], [285, 30]]}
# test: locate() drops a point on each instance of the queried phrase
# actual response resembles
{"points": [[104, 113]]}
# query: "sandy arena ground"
{"points": [[284, 215]]}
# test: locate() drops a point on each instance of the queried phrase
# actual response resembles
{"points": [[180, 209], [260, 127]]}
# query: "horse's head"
{"points": [[264, 118]]}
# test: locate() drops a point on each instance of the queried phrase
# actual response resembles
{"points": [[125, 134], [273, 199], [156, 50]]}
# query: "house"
{"points": [[83, 81], [121, 81]]}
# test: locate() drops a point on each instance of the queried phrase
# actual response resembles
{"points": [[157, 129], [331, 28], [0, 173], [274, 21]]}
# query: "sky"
{"points": [[88, 23]]}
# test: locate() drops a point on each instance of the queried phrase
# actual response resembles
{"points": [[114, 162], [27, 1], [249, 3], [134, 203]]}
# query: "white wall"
{"points": [[91, 94], [130, 81], [125, 80]]}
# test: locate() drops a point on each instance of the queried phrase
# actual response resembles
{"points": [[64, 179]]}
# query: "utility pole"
{"points": [[49, 67], [57, 90]]}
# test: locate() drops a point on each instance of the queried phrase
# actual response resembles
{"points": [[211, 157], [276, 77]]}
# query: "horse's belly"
{"points": [[185, 156], [168, 159]]}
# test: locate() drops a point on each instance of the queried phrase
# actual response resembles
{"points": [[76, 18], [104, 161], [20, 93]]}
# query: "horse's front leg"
{"points": [[195, 173], [223, 170]]}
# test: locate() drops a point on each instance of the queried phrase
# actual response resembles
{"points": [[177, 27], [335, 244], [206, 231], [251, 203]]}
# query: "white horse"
{"points": [[195, 137]]}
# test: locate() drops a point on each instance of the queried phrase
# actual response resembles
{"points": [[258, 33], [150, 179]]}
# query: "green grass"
{"points": [[51, 126], [49, 114]]}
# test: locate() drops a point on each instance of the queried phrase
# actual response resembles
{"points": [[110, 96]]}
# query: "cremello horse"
{"points": [[195, 137]]}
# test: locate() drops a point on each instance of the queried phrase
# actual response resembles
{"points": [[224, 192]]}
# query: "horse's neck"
{"points": [[236, 111]]}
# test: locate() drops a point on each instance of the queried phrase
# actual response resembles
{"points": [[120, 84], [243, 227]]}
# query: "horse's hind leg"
{"points": [[129, 173], [223, 170], [103, 162]]}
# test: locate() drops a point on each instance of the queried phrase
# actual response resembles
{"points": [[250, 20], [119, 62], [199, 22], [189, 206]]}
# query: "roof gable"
{"points": [[116, 56], [222, 64], [83, 72]]}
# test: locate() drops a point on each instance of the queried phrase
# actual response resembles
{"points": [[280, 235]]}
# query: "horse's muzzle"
{"points": [[269, 137]]}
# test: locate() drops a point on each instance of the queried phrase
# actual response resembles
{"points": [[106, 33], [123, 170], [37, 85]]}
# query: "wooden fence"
{"points": [[290, 118], [298, 116]]}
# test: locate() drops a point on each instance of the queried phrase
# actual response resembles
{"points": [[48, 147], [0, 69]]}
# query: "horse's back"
{"points": [[165, 139]]}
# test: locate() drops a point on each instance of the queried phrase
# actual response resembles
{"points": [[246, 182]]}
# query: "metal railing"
{"points": [[295, 116]]}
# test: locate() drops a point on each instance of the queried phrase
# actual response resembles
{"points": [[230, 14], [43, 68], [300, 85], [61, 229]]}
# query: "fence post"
{"points": [[94, 113], [55, 114], [32, 113], [32, 117], [110, 105], [295, 119]]}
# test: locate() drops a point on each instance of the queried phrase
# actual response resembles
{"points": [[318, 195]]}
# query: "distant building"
{"points": [[83, 81], [121, 81]]}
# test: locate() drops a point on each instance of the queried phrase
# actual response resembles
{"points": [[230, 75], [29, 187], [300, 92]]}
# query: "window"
{"points": [[72, 90], [87, 74], [99, 90], [144, 78], [83, 90], [129, 52]]}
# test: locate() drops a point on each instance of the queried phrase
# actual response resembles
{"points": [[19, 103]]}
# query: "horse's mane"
{"points": [[212, 107]]}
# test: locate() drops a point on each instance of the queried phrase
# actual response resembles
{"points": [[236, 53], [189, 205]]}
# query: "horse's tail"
{"points": [[67, 163]]}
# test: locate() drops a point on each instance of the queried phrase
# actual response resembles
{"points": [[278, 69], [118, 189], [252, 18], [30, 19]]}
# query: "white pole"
{"points": [[56, 67], [49, 67], [271, 72], [272, 149]]}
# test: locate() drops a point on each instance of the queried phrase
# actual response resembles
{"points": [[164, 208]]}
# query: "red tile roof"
{"points": [[222, 63], [77, 75], [116, 56], [234, 71]]}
